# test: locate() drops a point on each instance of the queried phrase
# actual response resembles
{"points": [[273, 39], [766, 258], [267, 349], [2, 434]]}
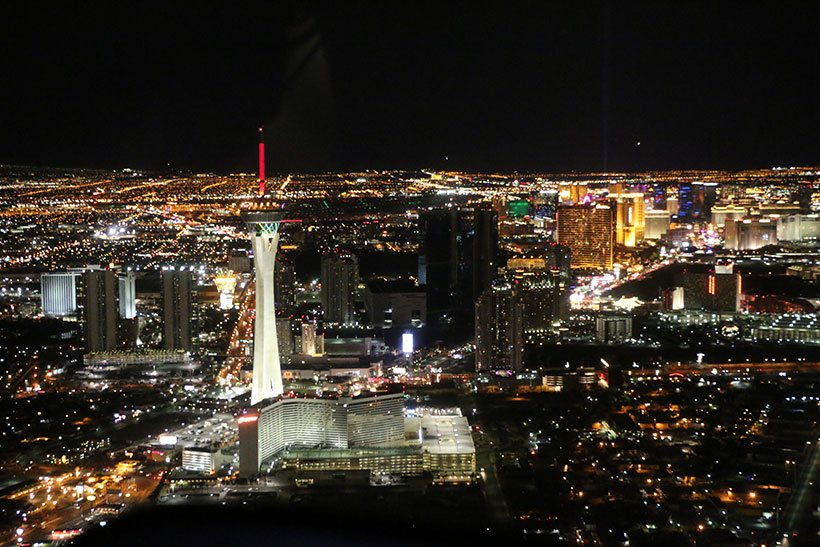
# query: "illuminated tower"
{"points": [[225, 281], [630, 223], [263, 226], [128, 295]]}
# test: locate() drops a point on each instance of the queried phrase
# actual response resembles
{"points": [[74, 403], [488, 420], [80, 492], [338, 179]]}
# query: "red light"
{"points": [[262, 168]]}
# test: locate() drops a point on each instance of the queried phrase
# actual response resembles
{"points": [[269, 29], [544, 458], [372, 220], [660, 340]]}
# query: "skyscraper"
{"points": [[542, 290], [458, 259], [128, 295], [311, 343], [59, 293], [100, 310], [177, 309], [499, 329], [718, 289], [588, 231], [485, 248], [750, 234], [629, 219], [657, 223], [686, 201], [263, 227], [438, 261], [284, 338], [285, 279], [339, 276]]}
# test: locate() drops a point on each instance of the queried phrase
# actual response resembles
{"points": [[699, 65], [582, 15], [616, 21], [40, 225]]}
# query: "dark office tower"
{"points": [[284, 279], [485, 249], [100, 310], [499, 329], [686, 201], [177, 309], [438, 260], [659, 197], [709, 194], [284, 338], [544, 295], [340, 276], [559, 257]]}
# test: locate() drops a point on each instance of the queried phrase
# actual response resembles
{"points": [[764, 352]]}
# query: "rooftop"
{"points": [[446, 434]]}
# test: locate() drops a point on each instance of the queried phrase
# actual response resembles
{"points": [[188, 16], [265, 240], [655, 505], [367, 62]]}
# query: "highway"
{"points": [[486, 444], [243, 330], [800, 502]]}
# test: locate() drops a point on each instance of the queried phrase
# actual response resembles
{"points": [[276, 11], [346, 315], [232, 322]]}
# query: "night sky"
{"points": [[513, 86]]}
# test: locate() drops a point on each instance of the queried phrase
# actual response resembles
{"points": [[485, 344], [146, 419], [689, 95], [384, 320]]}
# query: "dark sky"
{"points": [[507, 86]]}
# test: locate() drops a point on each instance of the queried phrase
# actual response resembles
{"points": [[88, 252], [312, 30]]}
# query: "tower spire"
{"points": [[261, 161]]}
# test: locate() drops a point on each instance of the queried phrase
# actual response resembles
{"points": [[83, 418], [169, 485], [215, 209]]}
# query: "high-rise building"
{"points": [[672, 205], [499, 329], [457, 261], [798, 228], [720, 213], [284, 337], [395, 303], [573, 192], [59, 294], [705, 198], [559, 257], [629, 219], [613, 329], [686, 201], [285, 280], [588, 231], [311, 343], [657, 223], [339, 277], [750, 234], [100, 310], [177, 309], [485, 249], [544, 294], [719, 289], [263, 226], [658, 197], [371, 419], [438, 261], [128, 295]]}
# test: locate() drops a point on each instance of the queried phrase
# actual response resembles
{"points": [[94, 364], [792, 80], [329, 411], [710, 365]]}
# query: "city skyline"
{"points": [[457, 274]]}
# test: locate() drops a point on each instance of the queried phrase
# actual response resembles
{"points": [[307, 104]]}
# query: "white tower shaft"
{"points": [[267, 373]]}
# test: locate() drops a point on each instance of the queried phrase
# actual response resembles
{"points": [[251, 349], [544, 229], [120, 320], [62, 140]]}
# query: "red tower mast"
{"points": [[261, 162]]}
